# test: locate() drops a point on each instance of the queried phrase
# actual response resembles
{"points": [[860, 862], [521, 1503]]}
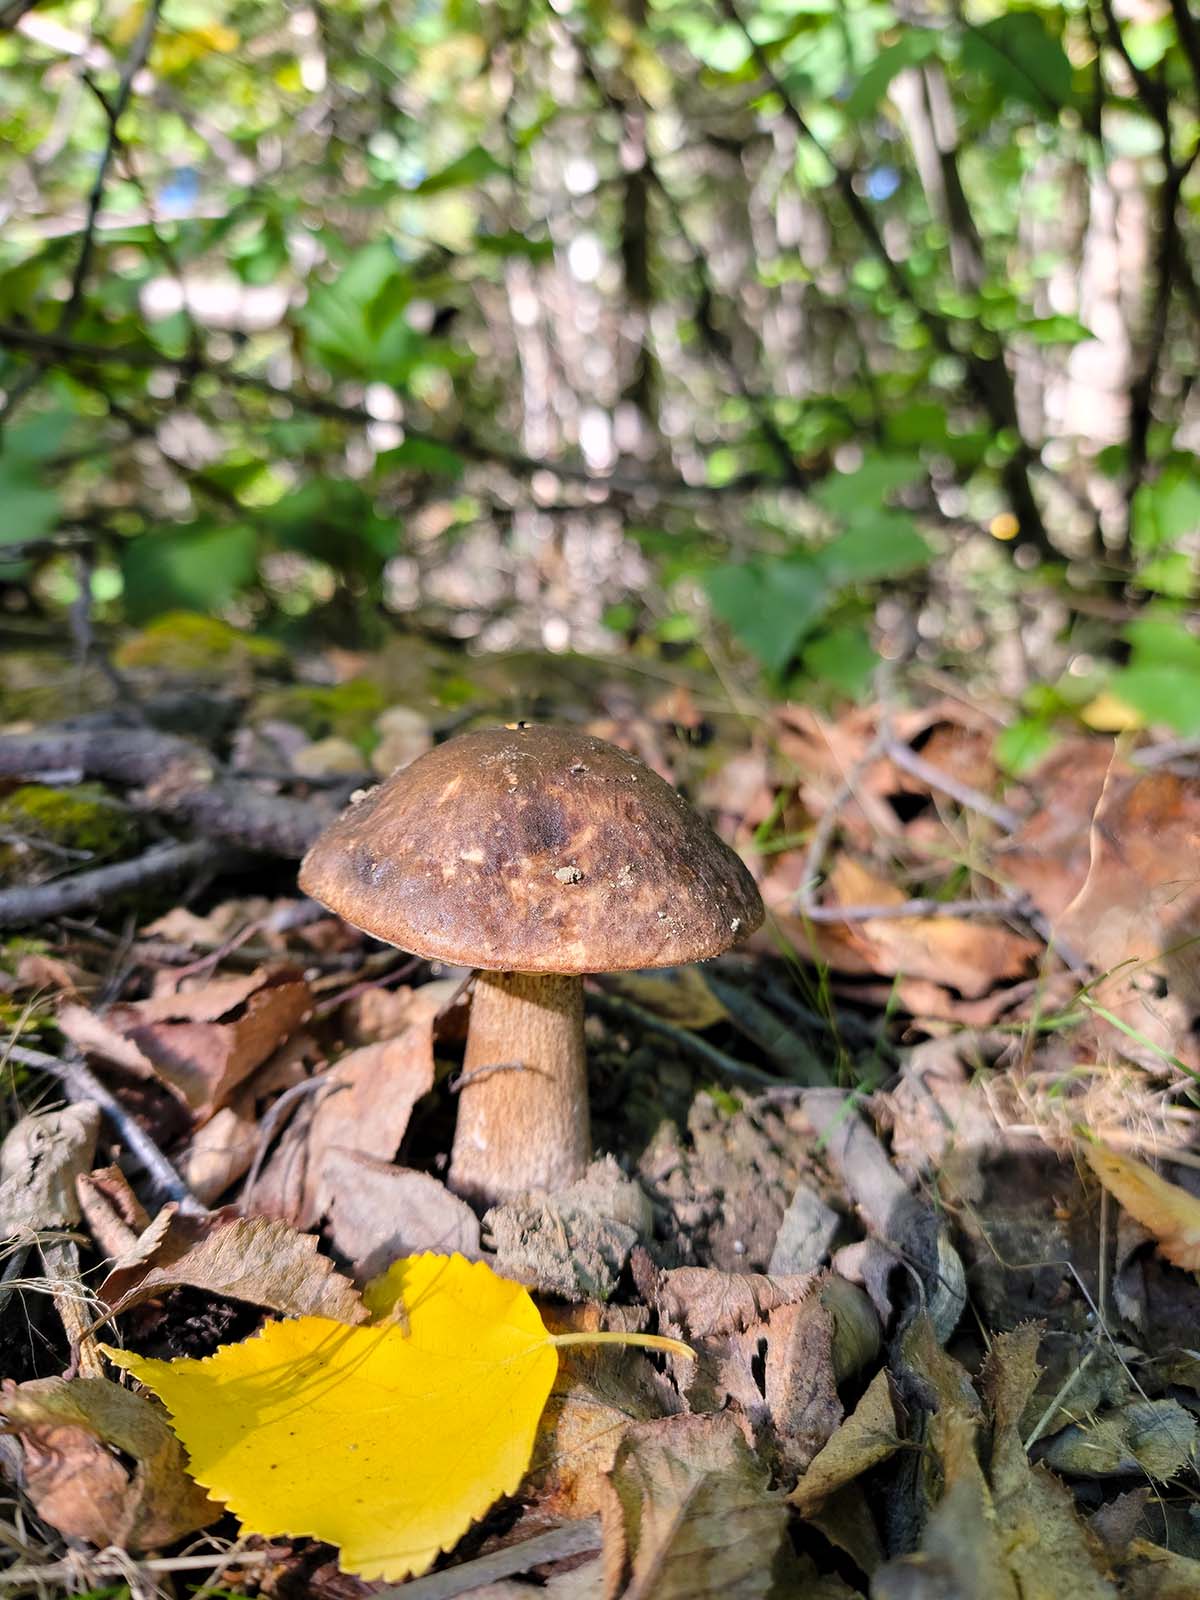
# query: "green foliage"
{"points": [[420, 247], [1162, 679]]}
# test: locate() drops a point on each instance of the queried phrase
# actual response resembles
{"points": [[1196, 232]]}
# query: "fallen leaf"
{"points": [[1049, 1549], [71, 1430], [705, 1301], [1170, 1213], [42, 1157], [961, 1550], [386, 1440], [111, 1209], [1156, 1437], [869, 1435], [257, 1259], [201, 1043], [369, 1098], [378, 1212], [692, 1515]]}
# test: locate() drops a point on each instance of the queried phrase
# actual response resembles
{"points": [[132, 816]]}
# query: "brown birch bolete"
{"points": [[535, 855]]}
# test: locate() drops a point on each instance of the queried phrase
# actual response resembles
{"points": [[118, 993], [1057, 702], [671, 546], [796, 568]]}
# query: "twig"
{"points": [[67, 352], [909, 761], [1009, 906], [120, 1564], [21, 906], [572, 1539], [81, 1083], [73, 305], [987, 375], [689, 1043]]}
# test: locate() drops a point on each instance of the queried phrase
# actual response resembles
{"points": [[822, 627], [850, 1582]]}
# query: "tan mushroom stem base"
{"points": [[524, 1125]]}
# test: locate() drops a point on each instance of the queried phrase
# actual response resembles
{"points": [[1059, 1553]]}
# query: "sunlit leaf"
{"points": [[386, 1440]]}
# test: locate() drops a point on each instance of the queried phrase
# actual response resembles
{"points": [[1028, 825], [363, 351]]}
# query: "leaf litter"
{"points": [[845, 1429]]}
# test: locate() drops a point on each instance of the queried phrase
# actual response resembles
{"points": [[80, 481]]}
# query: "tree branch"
{"points": [[73, 305]]}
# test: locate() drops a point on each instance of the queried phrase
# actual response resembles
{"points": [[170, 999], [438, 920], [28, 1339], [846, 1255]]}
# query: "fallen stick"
{"points": [[688, 1043], [81, 1083], [84, 890], [572, 1539]]}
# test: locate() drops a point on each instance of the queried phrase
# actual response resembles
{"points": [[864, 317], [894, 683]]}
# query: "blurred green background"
{"points": [[778, 336]]}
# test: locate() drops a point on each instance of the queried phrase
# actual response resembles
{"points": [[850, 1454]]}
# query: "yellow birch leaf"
{"points": [[1170, 1213], [387, 1440]]}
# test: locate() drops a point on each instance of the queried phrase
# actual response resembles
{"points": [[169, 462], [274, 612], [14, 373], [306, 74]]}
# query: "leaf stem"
{"points": [[646, 1341]]}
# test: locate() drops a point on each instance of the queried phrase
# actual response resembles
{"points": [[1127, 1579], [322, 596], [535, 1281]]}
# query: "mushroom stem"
{"points": [[523, 1125]]}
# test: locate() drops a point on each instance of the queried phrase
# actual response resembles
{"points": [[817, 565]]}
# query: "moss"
{"points": [[38, 823], [42, 685], [346, 709], [195, 646]]}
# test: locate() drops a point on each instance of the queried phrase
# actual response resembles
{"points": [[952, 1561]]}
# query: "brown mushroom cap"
{"points": [[533, 849]]}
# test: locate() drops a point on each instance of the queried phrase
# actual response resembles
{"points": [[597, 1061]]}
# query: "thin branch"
{"points": [[987, 375], [69, 352], [627, 1012], [902, 756], [83, 891], [81, 1083], [73, 305]]}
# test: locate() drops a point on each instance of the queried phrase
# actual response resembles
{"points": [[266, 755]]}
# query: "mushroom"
{"points": [[535, 855]]}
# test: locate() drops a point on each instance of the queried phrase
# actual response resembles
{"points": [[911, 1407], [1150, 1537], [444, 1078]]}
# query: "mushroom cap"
{"points": [[533, 849]]}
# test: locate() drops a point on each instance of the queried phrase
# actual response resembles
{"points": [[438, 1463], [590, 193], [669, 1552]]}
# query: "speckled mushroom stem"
{"points": [[524, 1125]]}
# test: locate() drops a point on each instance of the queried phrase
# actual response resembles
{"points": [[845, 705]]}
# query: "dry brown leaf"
{"points": [[1048, 855], [258, 1259], [691, 1515], [960, 953], [222, 1149], [1170, 1213], [204, 1060], [1148, 1572], [705, 1301], [1050, 1551], [369, 1098], [961, 1552], [111, 1209], [71, 1431], [800, 1382], [95, 1035], [598, 1394], [379, 1212], [44, 972], [870, 1434], [40, 1160], [180, 1039]]}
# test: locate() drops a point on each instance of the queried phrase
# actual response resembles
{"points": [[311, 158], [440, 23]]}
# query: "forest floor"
{"points": [[881, 1167]]}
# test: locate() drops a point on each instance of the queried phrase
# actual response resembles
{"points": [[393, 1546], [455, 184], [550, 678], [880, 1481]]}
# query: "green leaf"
{"points": [[1055, 330], [914, 46], [769, 606], [1024, 60], [1023, 744], [1160, 642], [196, 568], [845, 493], [473, 166], [423, 455], [1162, 695], [1165, 511], [29, 508], [842, 658], [877, 544]]}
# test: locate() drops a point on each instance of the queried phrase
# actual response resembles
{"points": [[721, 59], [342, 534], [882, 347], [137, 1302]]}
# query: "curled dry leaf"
{"points": [[203, 1042], [111, 1210], [257, 1259], [42, 1157], [691, 1514], [869, 1435], [1170, 1213], [705, 1301], [71, 1431]]}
